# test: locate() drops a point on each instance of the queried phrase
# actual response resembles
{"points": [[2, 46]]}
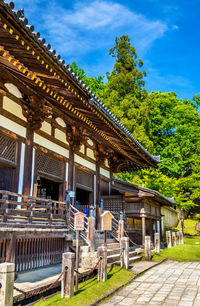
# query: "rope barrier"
{"points": [[41, 291], [91, 270], [130, 239]]}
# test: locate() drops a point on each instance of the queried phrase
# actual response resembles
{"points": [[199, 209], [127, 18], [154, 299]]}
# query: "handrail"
{"points": [[17, 195]]}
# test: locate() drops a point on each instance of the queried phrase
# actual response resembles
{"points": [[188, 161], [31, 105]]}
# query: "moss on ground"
{"points": [[189, 225], [189, 250], [92, 289]]}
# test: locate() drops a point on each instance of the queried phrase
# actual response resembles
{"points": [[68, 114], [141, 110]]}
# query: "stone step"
{"points": [[113, 251], [132, 254], [113, 258], [131, 260], [114, 245], [135, 258]]}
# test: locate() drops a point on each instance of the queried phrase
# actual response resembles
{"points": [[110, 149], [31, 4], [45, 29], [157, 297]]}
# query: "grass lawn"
{"points": [[92, 289], [189, 250], [189, 225]]}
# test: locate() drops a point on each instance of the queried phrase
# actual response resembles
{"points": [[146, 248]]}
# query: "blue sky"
{"points": [[165, 33]]}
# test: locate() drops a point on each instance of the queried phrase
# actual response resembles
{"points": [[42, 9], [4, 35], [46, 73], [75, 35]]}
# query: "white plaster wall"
{"points": [[61, 122], [12, 126], [85, 163], [82, 149], [60, 135], [13, 90], [13, 108], [50, 145], [90, 153], [90, 142], [106, 163], [170, 217], [46, 127], [104, 172]]}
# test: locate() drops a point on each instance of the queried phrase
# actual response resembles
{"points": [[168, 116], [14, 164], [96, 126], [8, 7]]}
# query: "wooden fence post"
{"points": [[168, 239], [157, 242], [6, 283], [67, 283], [173, 239], [181, 237], [120, 229], [147, 247], [124, 250], [102, 269], [91, 228]]}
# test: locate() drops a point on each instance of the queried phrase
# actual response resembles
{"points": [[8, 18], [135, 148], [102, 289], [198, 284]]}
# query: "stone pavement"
{"points": [[168, 284]]}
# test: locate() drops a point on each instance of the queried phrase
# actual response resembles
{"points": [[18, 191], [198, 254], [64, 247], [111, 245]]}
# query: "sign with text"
{"points": [[106, 221], [79, 221]]}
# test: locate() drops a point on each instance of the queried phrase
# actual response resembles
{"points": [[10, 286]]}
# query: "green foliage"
{"points": [[164, 124], [125, 94], [95, 84]]}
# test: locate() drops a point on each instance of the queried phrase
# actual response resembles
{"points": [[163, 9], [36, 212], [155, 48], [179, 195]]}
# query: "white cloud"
{"points": [[90, 26]]}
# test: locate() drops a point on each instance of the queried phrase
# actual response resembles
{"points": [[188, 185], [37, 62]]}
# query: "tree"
{"points": [[175, 133], [95, 84], [125, 94]]}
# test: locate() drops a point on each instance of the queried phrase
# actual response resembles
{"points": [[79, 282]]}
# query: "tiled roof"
{"points": [[94, 100]]}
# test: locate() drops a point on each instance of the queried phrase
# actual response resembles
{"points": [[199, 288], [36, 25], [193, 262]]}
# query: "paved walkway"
{"points": [[168, 284]]}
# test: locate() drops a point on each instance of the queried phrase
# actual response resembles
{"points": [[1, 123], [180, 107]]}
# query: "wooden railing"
{"points": [[22, 210]]}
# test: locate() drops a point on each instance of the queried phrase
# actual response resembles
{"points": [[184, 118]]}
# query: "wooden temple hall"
{"points": [[59, 144]]}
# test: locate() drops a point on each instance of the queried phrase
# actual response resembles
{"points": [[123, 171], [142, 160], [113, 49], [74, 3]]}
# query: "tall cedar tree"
{"points": [[125, 94]]}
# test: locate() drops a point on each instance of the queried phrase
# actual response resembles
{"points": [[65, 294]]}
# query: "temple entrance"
{"points": [[82, 199], [5, 178], [47, 189]]}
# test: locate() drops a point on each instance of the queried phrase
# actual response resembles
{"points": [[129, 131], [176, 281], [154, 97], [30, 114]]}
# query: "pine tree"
{"points": [[125, 94]]}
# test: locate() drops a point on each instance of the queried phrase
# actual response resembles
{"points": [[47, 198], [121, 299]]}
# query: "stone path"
{"points": [[168, 284]]}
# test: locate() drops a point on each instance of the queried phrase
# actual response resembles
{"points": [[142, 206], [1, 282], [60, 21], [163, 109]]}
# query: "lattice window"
{"points": [[113, 204], [8, 148], [49, 165], [84, 178]]}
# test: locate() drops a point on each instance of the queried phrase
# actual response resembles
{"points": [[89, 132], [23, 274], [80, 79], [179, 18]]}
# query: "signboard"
{"points": [[79, 221], [106, 221]]}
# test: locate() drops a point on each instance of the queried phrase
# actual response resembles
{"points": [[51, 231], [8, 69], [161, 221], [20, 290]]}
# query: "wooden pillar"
{"points": [[157, 242], [71, 169], [151, 229], [67, 283], [147, 247], [102, 270], [98, 209], [143, 229], [28, 161], [97, 183], [161, 229], [169, 239], [124, 250], [6, 283], [91, 229]]}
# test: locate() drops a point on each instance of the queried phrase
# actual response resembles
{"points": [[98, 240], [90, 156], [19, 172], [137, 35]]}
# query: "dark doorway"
{"points": [[82, 198], [5, 178], [48, 189]]}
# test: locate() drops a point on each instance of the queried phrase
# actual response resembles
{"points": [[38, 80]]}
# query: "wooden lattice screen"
{"points": [[113, 203], [8, 148], [84, 178], [33, 253], [49, 165]]}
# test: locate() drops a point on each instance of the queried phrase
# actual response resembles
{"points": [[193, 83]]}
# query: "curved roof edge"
{"points": [[19, 16], [155, 192]]}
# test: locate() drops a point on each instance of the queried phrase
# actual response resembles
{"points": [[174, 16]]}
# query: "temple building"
{"points": [[57, 136]]}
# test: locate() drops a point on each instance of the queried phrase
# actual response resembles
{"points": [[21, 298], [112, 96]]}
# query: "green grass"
{"points": [[189, 225], [189, 250], [92, 289]]}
